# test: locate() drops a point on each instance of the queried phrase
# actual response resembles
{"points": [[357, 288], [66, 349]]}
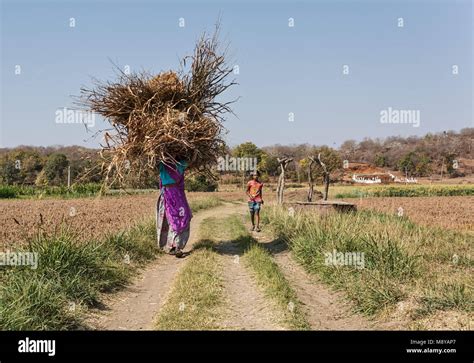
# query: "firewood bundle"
{"points": [[167, 118]]}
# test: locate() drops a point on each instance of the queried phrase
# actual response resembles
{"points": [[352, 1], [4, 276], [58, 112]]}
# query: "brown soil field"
{"points": [[88, 217], [446, 212], [95, 217]]}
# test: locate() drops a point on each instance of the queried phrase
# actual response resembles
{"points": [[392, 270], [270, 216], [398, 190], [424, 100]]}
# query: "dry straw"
{"points": [[164, 118]]}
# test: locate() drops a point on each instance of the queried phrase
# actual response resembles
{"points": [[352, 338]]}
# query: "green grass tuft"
{"points": [[204, 203], [70, 273]]}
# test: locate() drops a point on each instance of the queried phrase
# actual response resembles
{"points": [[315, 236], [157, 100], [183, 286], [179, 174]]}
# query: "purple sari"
{"points": [[177, 210]]}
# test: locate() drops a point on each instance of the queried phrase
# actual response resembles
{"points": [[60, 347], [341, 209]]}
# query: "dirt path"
{"points": [[134, 307], [325, 309], [247, 308]]}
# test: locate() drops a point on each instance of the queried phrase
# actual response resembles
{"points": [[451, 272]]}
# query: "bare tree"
{"points": [[283, 163], [310, 179], [325, 176]]}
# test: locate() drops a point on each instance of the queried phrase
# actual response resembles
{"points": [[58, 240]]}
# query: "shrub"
{"points": [[200, 183]]}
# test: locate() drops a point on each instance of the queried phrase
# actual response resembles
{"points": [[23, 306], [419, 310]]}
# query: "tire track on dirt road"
{"points": [[247, 307], [242, 304], [325, 309], [135, 307]]}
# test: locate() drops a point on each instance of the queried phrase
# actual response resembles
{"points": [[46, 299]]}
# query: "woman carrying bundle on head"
{"points": [[173, 214], [173, 117]]}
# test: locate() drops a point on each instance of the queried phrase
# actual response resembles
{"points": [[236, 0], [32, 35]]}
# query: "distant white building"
{"points": [[404, 180], [366, 179]]}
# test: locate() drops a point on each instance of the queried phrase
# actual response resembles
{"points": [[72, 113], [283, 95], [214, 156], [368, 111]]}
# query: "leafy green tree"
{"points": [[423, 166], [86, 171], [407, 163], [449, 162], [330, 157], [268, 164], [321, 163], [9, 172], [30, 164], [55, 169], [200, 183], [41, 180], [249, 150], [380, 160], [414, 164]]}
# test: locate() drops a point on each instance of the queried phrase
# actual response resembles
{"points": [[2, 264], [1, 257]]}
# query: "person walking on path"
{"points": [[254, 192], [173, 214]]}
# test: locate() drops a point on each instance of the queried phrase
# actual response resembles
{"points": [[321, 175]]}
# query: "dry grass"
{"points": [[409, 269]]}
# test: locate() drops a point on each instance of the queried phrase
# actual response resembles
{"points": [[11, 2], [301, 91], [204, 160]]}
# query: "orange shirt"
{"points": [[254, 188]]}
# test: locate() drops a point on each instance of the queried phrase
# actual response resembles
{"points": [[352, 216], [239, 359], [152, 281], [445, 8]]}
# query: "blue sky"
{"points": [[282, 69]]}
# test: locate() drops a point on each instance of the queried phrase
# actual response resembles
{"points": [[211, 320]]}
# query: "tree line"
{"points": [[432, 154]]}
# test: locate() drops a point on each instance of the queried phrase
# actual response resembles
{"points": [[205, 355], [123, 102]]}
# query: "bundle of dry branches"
{"points": [[166, 118]]}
